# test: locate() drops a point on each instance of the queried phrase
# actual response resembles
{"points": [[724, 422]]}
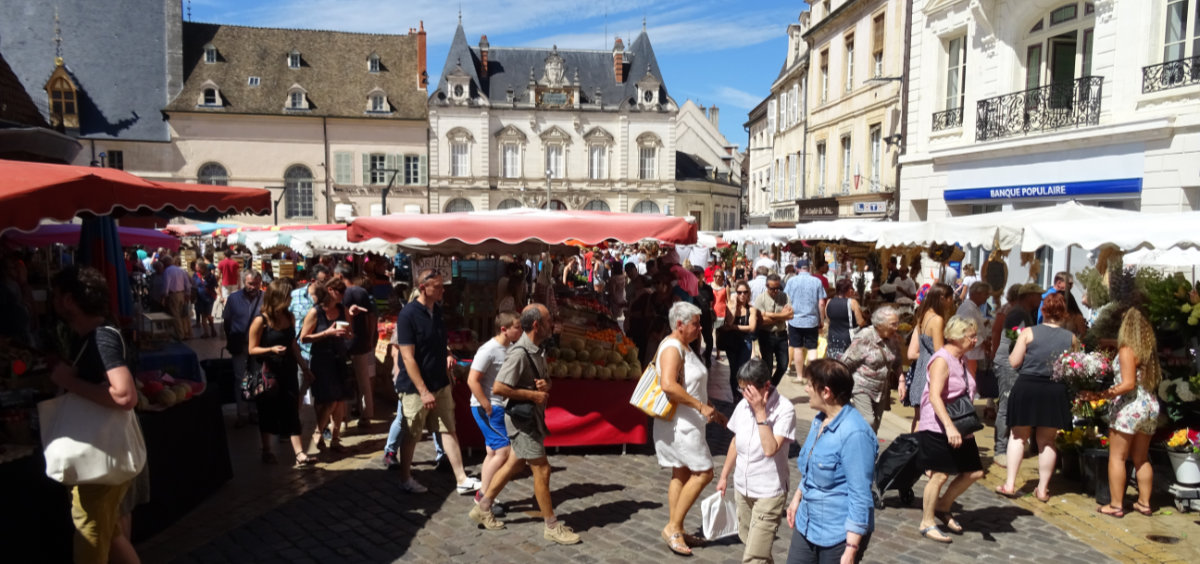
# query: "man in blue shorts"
{"points": [[487, 408], [807, 296]]}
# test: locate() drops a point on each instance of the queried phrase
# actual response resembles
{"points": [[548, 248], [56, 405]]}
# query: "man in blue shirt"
{"points": [[240, 310], [807, 296], [1062, 283]]}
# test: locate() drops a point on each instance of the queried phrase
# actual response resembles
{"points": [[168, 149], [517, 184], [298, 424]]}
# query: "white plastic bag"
{"points": [[88, 443], [719, 515]]}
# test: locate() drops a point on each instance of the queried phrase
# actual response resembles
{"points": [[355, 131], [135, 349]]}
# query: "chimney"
{"points": [[422, 76], [483, 55], [619, 61], [713, 116]]}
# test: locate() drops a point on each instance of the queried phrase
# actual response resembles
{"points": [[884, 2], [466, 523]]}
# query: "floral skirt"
{"points": [[1134, 412]]}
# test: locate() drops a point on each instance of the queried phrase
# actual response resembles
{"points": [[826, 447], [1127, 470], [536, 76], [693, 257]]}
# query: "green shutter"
{"points": [[422, 174], [389, 162], [343, 169], [366, 173]]}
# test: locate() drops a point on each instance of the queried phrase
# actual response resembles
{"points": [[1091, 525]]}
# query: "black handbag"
{"points": [[258, 381], [962, 412]]}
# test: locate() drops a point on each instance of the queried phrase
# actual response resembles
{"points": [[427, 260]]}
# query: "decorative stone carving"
{"points": [[552, 75]]}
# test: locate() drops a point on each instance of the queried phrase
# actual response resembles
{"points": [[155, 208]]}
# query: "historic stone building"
{"points": [[787, 127], [857, 61], [568, 128], [758, 166]]}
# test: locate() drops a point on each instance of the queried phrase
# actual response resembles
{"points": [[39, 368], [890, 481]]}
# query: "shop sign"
{"points": [[438, 263], [861, 208], [824, 208], [1059, 190]]}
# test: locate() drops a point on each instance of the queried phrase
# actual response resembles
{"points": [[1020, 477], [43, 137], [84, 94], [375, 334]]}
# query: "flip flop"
{"points": [[676, 543], [927, 532], [1116, 514], [1148, 511], [1010, 494], [948, 520]]}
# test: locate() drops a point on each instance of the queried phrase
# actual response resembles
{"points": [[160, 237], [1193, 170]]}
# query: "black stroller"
{"points": [[896, 469]]}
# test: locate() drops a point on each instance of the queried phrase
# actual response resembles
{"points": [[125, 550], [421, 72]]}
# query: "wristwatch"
{"points": [[761, 422]]}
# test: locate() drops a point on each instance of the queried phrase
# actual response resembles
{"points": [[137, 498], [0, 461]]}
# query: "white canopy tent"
{"points": [[860, 230], [770, 236], [1169, 258], [1127, 232], [1007, 228]]}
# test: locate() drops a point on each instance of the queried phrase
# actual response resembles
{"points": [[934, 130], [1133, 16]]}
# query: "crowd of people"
{"points": [[766, 321]]}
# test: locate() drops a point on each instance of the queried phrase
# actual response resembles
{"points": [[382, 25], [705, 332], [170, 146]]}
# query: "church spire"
{"points": [[58, 58]]}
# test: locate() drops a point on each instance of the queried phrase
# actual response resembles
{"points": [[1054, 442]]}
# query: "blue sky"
{"points": [[710, 51]]}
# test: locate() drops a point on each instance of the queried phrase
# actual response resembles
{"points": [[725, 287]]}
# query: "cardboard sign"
{"points": [[440, 264]]}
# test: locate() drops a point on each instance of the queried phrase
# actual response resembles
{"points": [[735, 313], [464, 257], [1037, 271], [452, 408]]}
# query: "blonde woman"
{"points": [[1134, 413]]}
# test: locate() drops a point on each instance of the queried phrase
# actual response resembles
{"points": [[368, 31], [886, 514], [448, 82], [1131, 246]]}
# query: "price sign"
{"points": [[439, 264]]}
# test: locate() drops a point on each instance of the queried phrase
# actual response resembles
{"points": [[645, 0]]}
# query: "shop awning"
{"points": [[1168, 258], [68, 234], [858, 230], [33, 192], [194, 229], [1003, 229], [523, 225], [1128, 232], [767, 236]]}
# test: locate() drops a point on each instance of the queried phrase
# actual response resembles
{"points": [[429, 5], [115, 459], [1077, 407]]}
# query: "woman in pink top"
{"points": [[720, 301], [943, 450]]}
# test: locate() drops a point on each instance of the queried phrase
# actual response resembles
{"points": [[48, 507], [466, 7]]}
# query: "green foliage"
{"points": [[1093, 283]]}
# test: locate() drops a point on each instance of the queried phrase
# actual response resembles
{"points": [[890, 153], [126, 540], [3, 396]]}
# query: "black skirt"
{"points": [[1039, 402], [936, 454]]}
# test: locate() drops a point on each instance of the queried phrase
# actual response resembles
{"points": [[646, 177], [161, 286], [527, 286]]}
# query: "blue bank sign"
{"points": [[1060, 190]]}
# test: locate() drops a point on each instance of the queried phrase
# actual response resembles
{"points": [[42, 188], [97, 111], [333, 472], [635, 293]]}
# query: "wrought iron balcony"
{"points": [[1171, 74], [1057, 105], [948, 119]]}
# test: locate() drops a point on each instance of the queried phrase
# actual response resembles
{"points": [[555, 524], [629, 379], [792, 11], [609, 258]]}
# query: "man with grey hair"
{"points": [[759, 284], [977, 295], [774, 310], [178, 287], [240, 310], [873, 358], [524, 381]]}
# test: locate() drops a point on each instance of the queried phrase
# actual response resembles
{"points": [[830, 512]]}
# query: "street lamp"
{"points": [[388, 188]]}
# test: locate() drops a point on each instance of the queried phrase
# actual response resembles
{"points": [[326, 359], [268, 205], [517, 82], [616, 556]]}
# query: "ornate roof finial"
{"points": [[460, 14], [643, 24], [58, 58]]}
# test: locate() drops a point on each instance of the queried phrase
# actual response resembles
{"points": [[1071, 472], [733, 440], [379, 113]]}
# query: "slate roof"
{"points": [[18, 107], [508, 67], [691, 167], [333, 71]]}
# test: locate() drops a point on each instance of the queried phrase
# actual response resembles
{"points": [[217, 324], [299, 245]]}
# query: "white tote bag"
{"points": [[719, 515], [88, 443]]}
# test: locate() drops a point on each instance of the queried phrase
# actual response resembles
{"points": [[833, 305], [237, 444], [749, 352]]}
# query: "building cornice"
{"points": [[810, 35]]}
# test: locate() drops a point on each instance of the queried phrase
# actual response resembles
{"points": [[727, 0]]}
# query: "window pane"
{"points": [[1033, 66], [1063, 14], [1176, 21]]}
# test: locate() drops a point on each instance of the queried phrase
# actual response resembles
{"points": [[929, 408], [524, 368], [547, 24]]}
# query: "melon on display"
{"points": [[619, 370], [577, 344], [614, 357], [558, 370], [589, 371], [566, 355], [575, 370], [583, 356], [604, 372]]}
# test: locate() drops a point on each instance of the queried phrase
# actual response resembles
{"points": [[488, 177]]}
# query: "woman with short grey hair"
{"points": [[873, 358], [679, 441]]}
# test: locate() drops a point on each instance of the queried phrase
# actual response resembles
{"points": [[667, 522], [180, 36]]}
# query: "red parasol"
{"points": [[68, 234], [524, 224], [32, 192]]}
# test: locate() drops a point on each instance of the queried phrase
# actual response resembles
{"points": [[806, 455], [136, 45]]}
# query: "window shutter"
{"points": [[390, 162], [422, 177], [366, 170]]}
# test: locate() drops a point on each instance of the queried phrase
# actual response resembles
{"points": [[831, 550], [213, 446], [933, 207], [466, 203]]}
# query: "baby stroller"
{"points": [[896, 469]]}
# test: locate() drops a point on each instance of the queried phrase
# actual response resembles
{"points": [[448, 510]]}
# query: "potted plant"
{"points": [[1183, 448]]}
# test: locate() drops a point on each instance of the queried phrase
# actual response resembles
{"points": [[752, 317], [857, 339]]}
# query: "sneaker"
{"points": [[390, 461], [470, 485], [327, 435], [485, 518], [413, 486], [561, 534]]}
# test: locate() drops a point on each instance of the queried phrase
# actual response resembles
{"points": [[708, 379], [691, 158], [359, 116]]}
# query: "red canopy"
{"points": [[68, 234], [524, 224], [32, 192]]}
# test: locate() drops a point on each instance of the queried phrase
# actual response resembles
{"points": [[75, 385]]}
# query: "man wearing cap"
{"points": [[807, 297], [1029, 299]]}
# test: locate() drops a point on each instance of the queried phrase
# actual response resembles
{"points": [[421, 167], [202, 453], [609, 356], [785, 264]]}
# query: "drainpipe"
{"points": [[328, 178], [903, 105]]}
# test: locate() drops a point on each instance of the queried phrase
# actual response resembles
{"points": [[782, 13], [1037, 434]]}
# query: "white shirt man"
{"points": [[765, 260]]}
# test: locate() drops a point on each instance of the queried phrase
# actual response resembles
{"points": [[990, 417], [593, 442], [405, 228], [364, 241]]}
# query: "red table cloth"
{"points": [[581, 413]]}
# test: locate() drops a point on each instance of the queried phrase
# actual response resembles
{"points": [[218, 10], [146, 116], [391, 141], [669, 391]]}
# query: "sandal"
{"points": [[693, 541], [1148, 511], [676, 543], [1117, 514], [1010, 494], [319, 442], [948, 520], [928, 532], [303, 460]]}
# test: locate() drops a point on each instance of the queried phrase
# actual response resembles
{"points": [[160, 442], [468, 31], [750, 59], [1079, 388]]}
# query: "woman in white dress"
{"points": [[679, 441]]}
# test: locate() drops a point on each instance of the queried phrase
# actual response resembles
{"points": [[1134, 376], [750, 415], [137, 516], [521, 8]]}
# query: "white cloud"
{"points": [[733, 97]]}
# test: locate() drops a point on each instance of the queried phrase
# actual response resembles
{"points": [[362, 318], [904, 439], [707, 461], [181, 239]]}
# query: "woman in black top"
{"points": [[737, 333], [273, 344], [843, 312], [330, 358]]}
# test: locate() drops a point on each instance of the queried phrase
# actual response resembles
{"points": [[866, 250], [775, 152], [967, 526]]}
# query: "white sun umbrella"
{"points": [[335, 241], [861, 230], [1171, 258], [261, 241], [764, 236]]}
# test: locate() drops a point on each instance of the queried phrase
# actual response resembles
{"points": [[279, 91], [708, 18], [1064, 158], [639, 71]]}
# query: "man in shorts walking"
{"points": [[525, 382], [807, 296]]}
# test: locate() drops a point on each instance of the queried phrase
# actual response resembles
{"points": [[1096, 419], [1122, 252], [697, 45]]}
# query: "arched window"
{"points": [[298, 191], [62, 101], [212, 173], [597, 205], [459, 205], [646, 206], [509, 204], [1058, 48], [556, 205]]}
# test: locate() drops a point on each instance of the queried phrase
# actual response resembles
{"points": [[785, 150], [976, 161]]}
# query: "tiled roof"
{"points": [[17, 106], [333, 72]]}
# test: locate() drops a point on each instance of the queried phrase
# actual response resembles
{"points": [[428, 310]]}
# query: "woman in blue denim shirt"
{"points": [[832, 512]]}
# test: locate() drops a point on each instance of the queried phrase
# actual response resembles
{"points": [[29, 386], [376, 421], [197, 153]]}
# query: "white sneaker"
{"points": [[470, 485], [413, 486]]}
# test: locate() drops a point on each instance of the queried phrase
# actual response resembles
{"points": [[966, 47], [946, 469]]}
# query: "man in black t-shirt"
{"points": [[98, 373], [362, 347]]}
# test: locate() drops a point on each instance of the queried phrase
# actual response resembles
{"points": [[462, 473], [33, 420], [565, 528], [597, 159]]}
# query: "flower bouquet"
{"points": [[1085, 409], [1013, 333], [1184, 440], [1083, 371]]}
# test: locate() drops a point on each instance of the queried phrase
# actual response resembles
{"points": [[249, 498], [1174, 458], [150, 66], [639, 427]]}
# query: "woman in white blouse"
{"points": [[763, 423]]}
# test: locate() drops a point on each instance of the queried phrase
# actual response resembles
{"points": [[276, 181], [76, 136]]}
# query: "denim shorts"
{"points": [[495, 434]]}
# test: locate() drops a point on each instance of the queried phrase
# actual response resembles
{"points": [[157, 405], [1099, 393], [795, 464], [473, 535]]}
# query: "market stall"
{"points": [[590, 364]]}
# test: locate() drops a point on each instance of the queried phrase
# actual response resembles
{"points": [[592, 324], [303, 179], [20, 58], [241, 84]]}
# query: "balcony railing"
{"points": [[1171, 74], [948, 119], [1046, 108]]}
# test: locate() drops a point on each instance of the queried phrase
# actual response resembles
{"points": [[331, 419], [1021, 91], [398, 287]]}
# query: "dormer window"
{"points": [[62, 96], [377, 102], [373, 63], [210, 54], [253, 81], [297, 99], [210, 96], [293, 59]]}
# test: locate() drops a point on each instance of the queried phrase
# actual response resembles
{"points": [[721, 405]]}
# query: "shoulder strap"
{"points": [[532, 363]]}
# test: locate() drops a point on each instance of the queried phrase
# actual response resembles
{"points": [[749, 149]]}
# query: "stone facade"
{"points": [[758, 165]]}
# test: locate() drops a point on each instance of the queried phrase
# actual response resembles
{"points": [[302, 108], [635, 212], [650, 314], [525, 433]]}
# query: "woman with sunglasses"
{"points": [[737, 333]]}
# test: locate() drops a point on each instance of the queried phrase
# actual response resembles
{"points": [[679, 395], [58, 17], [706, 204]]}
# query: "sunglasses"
{"points": [[742, 292], [773, 289]]}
